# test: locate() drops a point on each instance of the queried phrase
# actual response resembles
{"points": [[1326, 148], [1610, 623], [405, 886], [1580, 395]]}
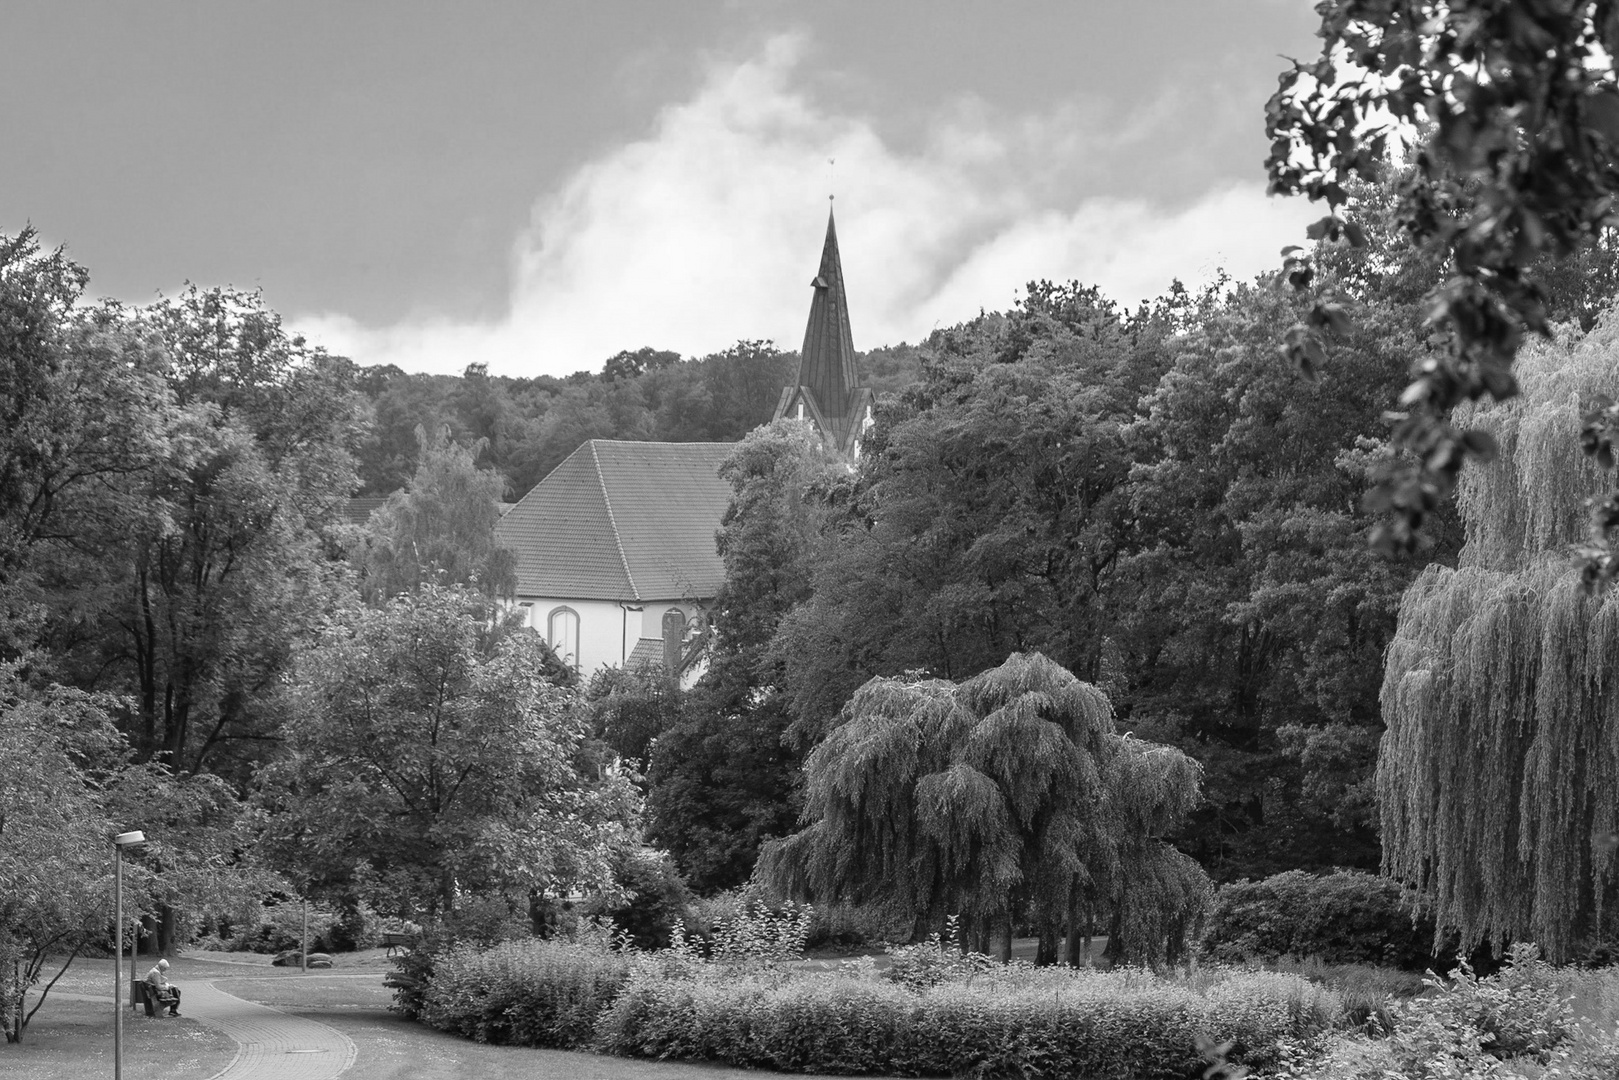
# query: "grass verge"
{"points": [[70, 1039]]}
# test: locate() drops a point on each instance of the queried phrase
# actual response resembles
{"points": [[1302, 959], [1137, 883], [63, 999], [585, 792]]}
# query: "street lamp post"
{"points": [[119, 843]]}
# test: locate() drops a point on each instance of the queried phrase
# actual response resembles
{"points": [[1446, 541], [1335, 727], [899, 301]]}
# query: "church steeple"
{"points": [[826, 391]]}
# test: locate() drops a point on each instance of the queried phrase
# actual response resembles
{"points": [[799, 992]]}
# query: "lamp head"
{"points": [[129, 839]]}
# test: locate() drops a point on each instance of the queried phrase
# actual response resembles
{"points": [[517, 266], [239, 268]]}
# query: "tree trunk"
{"points": [[15, 1000], [167, 929], [1073, 953], [1006, 937], [1115, 941], [1050, 942]]}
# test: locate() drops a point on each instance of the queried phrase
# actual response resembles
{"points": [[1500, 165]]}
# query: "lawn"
{"points": [[70, 1039]]}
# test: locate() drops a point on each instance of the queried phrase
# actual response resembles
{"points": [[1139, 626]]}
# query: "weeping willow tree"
{"points": [[1498, 777], [1008, 794]]}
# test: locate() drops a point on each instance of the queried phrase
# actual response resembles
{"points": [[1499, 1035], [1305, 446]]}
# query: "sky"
{"points": [[539, 185]]}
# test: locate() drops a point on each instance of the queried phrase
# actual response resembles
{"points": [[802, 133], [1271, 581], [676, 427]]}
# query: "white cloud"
{"points": [[709, 230]]}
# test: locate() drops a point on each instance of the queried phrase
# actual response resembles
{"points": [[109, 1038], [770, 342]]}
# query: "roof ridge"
{"points": [[612, 521], [664, 442]]}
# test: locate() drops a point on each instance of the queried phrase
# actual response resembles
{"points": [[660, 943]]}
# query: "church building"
{"points": [[615, 549]]}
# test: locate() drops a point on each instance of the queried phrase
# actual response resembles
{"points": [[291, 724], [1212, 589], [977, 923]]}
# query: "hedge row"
{"points": [[1016, 1022]]}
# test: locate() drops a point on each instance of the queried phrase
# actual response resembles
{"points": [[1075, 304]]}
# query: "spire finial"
{"points": [[831, 176]]}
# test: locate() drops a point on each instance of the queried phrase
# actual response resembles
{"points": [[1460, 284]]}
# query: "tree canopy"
{"points": [[429, 758], [439, 528], [722, 779], [1010, 792], [1497, 774], [1511, 113]]}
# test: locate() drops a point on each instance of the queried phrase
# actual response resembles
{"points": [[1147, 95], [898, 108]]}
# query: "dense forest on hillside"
{"points": [[531, 424]]}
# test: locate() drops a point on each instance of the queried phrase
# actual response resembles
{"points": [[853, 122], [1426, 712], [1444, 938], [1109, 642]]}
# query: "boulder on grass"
{"points": [[291, 958]]}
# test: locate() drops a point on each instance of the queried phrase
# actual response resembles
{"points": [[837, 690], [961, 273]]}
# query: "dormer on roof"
{"points": [[827, 391]]}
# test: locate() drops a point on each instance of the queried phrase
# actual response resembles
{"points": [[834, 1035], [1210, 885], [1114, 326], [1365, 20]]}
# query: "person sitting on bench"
{"points": [[160, 990]]}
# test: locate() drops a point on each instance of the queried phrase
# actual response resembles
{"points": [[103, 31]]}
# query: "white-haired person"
{"points": [[161, 990]]}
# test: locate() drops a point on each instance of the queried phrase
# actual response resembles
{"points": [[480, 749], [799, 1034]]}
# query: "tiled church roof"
{"points": [[622, 521]]}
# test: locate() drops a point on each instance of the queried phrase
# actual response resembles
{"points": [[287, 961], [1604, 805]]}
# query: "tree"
{"points": [[429, 759], [440, 528], [82, 402], [1497, 775], [201, 570], [1248, 617], [1008, 793], [631, 709], [721, 780], [66, 781], [987, 511], [1518, 114], [55, 837]]}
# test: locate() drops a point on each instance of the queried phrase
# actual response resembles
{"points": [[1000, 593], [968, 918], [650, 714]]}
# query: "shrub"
{"points": [[275, 928], [655, 898], [936, 960], [1369, 993], [1012, 1022], [531, 993], [846, 926], [1522, 1010], [1347, 917]]}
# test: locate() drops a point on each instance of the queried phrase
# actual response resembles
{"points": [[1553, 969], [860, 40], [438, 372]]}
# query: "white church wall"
{"points": [[605, 635]]}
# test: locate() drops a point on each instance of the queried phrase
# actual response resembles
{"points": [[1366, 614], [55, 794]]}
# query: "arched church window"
{"points": [[674, 634], [562, 632]]}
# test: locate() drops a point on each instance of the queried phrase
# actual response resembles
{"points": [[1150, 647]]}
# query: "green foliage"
{"points": [[279, 927], [937, 959], [629, 710], [439, 528], [1009, 792], [987, 512], [1521, 1010], [428, 758], [531, 993], [531, 425], [1020, 1024], [721, 779], [1003, 1022], [67, 787], [1519, 126], [1250, 619], [1347, 917], [650, 900], [1497, 775], [755, 932]]}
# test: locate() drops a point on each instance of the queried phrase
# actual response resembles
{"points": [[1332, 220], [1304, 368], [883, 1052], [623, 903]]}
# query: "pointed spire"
{"points": [[826, 363], [827, 391]]}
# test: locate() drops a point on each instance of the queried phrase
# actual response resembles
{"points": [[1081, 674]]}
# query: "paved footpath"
{"points": [[270, 1044], [273, 1045]]}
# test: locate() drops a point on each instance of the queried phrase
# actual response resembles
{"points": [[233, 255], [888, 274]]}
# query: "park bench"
{"points": [[395, 940], [152, 999]]}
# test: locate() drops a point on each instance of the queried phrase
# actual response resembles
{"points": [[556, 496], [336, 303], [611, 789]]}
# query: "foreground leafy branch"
{"points": [[1518, 102]]}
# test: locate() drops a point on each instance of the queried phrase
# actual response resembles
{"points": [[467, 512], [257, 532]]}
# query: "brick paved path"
{"points": [[273, 1045]]}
